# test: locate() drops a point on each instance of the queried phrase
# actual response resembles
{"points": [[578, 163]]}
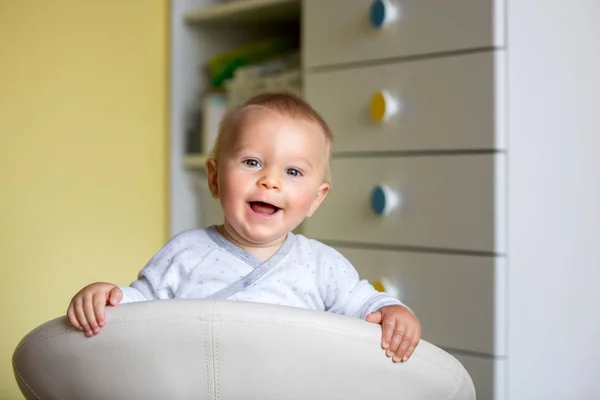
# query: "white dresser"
{"points": [[466, 168], [420, 95]]}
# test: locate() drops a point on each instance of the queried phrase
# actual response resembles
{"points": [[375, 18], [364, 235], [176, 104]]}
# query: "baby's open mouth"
{"points": [[263, 208]]}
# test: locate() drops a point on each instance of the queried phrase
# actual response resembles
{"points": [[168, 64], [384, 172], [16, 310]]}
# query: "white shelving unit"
{"points": [[247, 12], [195, 161], [202, 29]]}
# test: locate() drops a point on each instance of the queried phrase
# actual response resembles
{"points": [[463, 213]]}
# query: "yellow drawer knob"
{"points": [[383, 106], [379, 286], [384, 285]]}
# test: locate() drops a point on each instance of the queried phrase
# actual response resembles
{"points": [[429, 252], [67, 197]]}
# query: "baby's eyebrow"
{"points": [[237, 150], [307, 163], [302, 161]]}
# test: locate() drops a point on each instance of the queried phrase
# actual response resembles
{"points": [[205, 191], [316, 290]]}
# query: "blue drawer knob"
{"points": [[382, 13], [383, 200]]}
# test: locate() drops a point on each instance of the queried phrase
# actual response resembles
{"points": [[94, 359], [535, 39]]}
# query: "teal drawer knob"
{"points": [[383, 200], [383, 12]]}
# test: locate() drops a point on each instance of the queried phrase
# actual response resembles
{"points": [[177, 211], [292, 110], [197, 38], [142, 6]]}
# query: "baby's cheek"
{"points": [[302, 200], [233, 183]]}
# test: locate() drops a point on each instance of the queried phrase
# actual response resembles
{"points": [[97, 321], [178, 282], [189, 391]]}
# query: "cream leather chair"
{"points": [[205, 349]]}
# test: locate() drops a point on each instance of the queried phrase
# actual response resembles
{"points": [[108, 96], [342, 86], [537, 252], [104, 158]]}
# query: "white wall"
{"points": [[554, 195]]}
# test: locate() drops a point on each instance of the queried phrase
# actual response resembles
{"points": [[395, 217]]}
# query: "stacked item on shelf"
{"points": [[223, 66], [271, 64], [278, 75]]}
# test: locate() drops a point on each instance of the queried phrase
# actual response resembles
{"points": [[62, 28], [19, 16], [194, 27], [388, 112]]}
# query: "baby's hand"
{"points": [[86, 311], [401, 331]]}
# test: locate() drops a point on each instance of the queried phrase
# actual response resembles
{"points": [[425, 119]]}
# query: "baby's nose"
{"points": [[269, 181]]}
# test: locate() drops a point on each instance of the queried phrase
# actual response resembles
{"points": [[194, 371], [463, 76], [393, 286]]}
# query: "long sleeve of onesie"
{"points": [[342, 290]]}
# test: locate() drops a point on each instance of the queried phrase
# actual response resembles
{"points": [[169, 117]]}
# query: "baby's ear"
{"points": [[321, 194], [213, 181]]}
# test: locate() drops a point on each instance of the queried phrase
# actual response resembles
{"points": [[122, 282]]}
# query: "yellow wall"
{"points": [[83, 190]]}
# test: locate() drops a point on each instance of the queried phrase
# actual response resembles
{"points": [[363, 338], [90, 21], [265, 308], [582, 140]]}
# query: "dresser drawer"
{"points": [[441, 104], [458, 299], [443, 202], [341, 31]]}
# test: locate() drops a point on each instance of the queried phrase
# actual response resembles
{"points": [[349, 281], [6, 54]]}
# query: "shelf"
{"points": [[195, 161], [247, 11]]}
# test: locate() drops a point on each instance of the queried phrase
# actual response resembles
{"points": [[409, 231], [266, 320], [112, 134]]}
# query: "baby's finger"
{"points": [[411, 350], [115, 297], [387, 326], [404, 345], [80, 314], [413, 345], [72, 317], [99, 302], [88, 309], [399, 332]]}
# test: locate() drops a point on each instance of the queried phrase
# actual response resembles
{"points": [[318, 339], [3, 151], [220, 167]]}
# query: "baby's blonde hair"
{"points": [[285, 104]]}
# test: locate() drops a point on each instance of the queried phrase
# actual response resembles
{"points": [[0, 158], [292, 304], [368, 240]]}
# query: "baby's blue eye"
{"points": [[294, 172], [252, 163]]}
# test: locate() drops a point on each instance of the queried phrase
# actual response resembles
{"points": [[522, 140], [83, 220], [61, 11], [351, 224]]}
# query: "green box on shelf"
{"points": [[223, 66]]}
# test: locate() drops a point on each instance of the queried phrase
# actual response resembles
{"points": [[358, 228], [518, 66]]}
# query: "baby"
{"points": [[270, 170]]}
